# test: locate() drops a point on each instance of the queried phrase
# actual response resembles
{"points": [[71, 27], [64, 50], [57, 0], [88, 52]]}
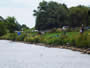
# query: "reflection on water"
{"points": [[20, 55]]}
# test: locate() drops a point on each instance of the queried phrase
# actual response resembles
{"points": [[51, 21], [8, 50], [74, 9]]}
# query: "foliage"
{"points": [[78, 16], [34, 39], [24, 27], [71, 38], [9, 36], [51, 15], [81, 41], [12, 25], [3, 29], [21, 37]]}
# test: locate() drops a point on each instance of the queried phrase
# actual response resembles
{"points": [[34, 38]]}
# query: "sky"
{"points": [[22, 10]]}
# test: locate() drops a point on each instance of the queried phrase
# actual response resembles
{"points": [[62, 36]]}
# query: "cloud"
{"points": [[77, 2], [23, 15], [71, 3]]}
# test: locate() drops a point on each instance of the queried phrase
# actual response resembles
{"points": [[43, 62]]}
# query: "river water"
{"points": [[20, 55]]}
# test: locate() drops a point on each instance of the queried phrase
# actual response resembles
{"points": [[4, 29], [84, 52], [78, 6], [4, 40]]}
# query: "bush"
{"points": [[9, 36], [82, 41], [12, 36], [89, 43], [72, 42], [82, 44], [5, 36], [3, 29], [35, 39], [56, 40], [21, 37]]}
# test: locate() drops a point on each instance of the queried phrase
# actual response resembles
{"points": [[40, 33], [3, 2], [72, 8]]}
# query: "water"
{"points": [[20, 55]]}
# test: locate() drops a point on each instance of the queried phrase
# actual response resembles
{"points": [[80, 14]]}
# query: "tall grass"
{"points": [[71, 38]]}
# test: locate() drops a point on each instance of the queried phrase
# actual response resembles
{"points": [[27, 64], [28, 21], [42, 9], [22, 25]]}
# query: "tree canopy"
{"points": [[78, 16], [2, 29], [10, 24], [55, 15]]}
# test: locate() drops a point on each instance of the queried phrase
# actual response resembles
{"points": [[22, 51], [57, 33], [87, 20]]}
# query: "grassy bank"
{"points": [[71, 39]]}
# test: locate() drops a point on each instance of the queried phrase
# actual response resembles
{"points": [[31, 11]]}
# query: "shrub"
{"points": [[28, 39], [54, 41], [12, 36], [35, 39], [57, 40], [72, 42], [82, 44], [21, 37], [5, 36], [88, 43], [9, 36], [82, 41], [3, 29]]}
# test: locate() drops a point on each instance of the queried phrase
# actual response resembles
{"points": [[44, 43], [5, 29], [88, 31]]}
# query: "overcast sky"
{"points": [[23, 9]]}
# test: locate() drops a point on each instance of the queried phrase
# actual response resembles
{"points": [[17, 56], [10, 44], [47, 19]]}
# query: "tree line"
{"points": [[10, 25], [55, 15]]}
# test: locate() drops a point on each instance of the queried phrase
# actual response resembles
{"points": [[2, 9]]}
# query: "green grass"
{"points": [[50, 35], [72, 34], [69, 34], [56, 38]]}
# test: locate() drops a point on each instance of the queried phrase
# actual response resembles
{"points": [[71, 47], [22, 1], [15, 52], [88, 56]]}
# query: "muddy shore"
{"points": [[82, 50]]}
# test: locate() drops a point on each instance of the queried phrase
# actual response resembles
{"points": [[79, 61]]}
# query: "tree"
{"points": [[3, 30], [12, 24], [41, 15], [78, 16], [54, 15], [50, 15], [24, 27], [2, 19]]}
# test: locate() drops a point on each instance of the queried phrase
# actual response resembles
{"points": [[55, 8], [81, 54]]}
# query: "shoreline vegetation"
{"points": [[82, 50], [51, 17], [72, 40]]}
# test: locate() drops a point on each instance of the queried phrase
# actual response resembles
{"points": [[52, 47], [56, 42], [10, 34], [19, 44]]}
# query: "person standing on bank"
{"points": [[82, 29]]}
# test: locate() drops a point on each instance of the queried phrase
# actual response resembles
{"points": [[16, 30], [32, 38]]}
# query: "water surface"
{"points": [[20, 55]]}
